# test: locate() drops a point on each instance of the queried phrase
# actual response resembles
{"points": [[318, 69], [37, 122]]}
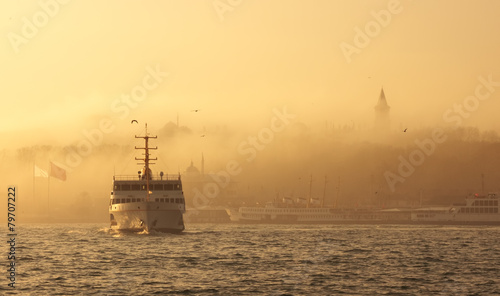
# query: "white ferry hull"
{"points": [[456, 218], [160, 220], [147, 216]]}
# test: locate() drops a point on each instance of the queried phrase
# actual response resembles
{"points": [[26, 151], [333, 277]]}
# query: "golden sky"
{"points": [[67, 65], [71, 67]]}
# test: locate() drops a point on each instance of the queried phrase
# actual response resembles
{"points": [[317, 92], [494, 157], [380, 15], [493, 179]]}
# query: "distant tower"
{"points": [[202, 165], [382, 120]]}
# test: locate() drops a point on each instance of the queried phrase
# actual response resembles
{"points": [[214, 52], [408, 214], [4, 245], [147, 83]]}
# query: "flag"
{"points": [[57, 172], [38, 172]]}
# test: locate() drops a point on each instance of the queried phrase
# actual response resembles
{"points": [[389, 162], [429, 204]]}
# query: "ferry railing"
{"points": [[153, 178]]}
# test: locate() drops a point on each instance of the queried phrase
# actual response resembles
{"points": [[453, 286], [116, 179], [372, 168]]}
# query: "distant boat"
{"points": [[286, 213], [476, 210], [145, 202]]}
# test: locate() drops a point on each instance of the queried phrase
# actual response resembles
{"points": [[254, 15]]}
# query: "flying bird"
{"points": [[134, 121], [195, 110], [405, 130], [202, 136]]}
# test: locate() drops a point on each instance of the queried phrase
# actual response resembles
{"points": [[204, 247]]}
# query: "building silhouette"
{"points": [[382, 118]]}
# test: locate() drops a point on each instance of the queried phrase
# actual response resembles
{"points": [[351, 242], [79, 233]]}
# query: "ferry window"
{"points": [[125, 187], [117, 201], [162, 200], [172, 200], [143, 187], [178, 187], [135, 187], [133, 199], [490, 203], [117, 187], [156, 199], [158, 187], [495, 210], [495, 203], [128, 199], [169, 186], [177, 200]]}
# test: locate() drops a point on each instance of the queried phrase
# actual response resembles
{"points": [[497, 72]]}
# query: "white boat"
{"points": [[281, 213], [145, 202], [476, 210]]}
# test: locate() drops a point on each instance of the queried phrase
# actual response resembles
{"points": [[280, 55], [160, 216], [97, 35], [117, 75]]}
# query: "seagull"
{"points": [[133, 121], [405, 130], [202, 136], [195, 110]]}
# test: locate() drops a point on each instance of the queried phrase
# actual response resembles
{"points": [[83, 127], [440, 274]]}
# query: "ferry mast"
{"points": [[146, 158]]}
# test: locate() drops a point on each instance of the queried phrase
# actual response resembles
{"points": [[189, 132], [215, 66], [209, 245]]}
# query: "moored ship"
{"points": [[478, 209], [289, 215], [147, 202], [284, 213]]}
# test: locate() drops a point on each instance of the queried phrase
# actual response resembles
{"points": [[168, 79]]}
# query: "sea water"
{"points": [[231, 259]]}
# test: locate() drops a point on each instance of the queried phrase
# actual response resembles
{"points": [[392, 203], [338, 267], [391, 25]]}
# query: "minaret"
{"points": [[382, 120], [202, 165]]}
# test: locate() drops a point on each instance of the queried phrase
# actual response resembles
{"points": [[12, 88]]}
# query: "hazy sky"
{"points": [[64, 67]]}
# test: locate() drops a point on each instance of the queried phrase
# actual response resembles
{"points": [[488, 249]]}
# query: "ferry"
{"points": [[285, 213], [272, 214], [478, 209], [147, 202]]}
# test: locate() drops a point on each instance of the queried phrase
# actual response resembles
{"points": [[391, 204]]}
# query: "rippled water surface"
{"points": [[227, 259]]}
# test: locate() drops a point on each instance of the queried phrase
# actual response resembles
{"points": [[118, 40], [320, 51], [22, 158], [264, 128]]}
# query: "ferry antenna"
{"points": [[146, 158]]}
